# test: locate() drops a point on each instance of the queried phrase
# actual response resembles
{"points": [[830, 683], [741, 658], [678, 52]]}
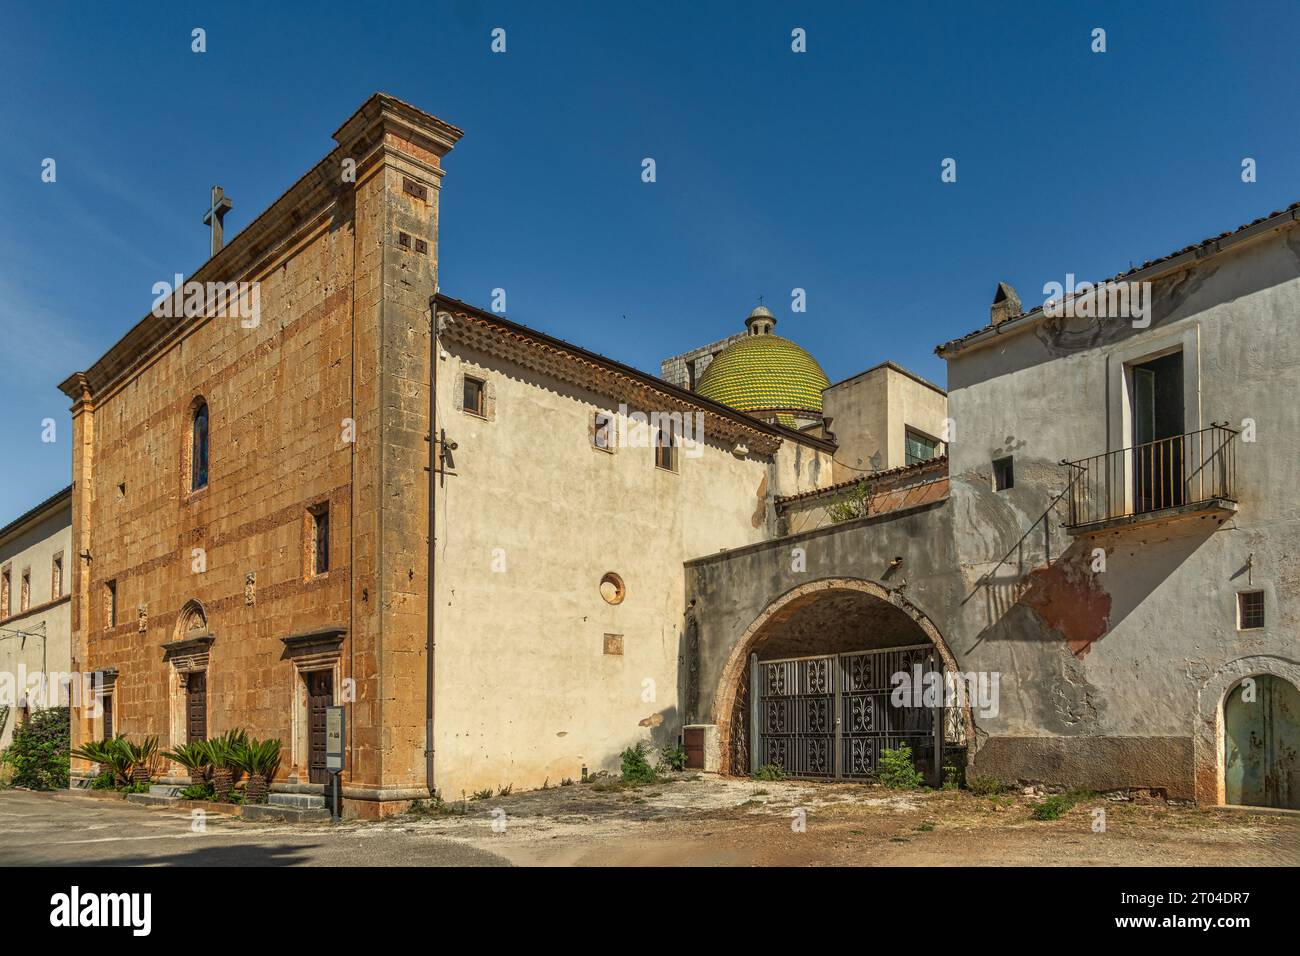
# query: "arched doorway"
{"points": [[808, 685], [1261, 737]]}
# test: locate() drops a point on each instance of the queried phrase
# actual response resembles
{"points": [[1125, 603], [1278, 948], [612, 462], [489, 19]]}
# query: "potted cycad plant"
{"points": [[194, 758], [259, 759], [224, 755], [101, 754], [142, 757]]}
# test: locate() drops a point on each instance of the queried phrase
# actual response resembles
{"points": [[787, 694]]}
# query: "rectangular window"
{"points": [[56, 577], [1250, 610], [1004, 476], [602, 435], [666, 448], [918, 447], [320, 540], [4, 594], [25, 596], [473, 396], [110, 604]]}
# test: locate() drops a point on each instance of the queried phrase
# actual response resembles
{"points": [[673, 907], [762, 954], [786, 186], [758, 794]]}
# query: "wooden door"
{"points": [[196, 706], [108, 716], [320, 694]]}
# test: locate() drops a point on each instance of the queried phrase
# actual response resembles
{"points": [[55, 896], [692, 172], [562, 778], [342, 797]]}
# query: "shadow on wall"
{"points": [[1082, 595]]}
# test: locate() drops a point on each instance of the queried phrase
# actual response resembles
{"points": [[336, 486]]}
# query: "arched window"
{"points": [[199, 447]]}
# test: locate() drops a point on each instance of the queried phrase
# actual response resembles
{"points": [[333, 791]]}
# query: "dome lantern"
{"points": [[760, 321]]}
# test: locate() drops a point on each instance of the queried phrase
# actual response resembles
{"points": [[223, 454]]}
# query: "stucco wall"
{"points": [[1101, 673], [870, 414], [44, 646], [527, 525]]}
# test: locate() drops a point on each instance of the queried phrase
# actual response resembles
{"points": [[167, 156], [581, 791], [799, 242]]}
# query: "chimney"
{"points": [[1006, 304]]}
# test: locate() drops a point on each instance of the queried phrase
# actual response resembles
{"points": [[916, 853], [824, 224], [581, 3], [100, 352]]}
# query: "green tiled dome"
{"points": [[764, 371]]}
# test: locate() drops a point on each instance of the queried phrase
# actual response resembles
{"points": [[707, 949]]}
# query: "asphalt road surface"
{"points": [[62, 829]]}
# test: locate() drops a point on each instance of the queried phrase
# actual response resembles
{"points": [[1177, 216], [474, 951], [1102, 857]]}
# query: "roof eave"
{"points": [[1163, 267]]}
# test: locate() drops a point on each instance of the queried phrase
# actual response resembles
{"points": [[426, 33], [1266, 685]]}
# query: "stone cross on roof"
{"points": [[215, 214]]}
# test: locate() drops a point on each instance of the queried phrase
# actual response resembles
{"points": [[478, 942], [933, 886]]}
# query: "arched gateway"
{"points": [[808, 684]]}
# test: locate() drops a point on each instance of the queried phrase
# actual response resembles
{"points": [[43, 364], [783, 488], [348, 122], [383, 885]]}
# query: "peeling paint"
{"points": [[1070, 600]]}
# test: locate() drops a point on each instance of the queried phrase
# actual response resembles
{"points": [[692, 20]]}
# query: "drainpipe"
{"points": [[435, 454]]}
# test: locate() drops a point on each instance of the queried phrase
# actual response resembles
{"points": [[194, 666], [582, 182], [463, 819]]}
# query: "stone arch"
{"points": [[786, 606], [1208, 741]]}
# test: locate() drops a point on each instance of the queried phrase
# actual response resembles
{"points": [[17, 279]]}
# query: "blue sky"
{"points": [[775, 170]]}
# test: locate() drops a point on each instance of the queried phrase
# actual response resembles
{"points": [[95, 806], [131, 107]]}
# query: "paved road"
{"points": [[62, 829]]}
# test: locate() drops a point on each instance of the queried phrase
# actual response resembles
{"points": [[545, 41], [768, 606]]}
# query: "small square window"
{"points": [[1250, 610], [473, 401], [1003, 474], [614, 645]]}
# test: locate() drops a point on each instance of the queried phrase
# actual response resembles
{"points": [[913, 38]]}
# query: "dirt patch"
{"points": [[710, 821]]}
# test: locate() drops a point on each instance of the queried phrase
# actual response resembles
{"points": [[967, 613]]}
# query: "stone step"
{"points": [[150, 799], [300, 801], [285, 814], [164, 790]]}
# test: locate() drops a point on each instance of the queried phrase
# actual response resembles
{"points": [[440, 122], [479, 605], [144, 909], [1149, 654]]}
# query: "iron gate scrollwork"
{"points": [[831, 716]]}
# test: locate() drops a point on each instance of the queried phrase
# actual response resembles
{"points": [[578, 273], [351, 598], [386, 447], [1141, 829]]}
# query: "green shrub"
{"points": [[951, 777], [636, 769], [40, 750], [769, 771], [855, 502], [1055, 806], [1051, 808], [896, 769], [435, 806], [672, 758], [203, 791], [986, 786]]}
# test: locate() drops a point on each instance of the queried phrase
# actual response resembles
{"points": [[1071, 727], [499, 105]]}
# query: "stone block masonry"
{"points": [[341, 353]]}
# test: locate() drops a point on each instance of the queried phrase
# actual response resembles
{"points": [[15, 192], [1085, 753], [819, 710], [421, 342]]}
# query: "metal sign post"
{"points": [[336, 736]]}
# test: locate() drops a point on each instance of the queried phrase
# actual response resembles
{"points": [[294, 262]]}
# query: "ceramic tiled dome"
{"points": [[763, 371]]}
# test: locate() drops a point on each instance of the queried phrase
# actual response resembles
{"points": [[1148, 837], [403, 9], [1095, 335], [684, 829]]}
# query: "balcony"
{"points": [[1192, 475]]}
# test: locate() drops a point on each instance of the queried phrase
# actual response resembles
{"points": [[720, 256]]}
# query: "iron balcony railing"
{"points": [[1190, 469]]}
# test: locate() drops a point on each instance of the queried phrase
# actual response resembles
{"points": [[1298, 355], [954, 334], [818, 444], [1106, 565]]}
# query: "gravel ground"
{"points": [[688, 820]]}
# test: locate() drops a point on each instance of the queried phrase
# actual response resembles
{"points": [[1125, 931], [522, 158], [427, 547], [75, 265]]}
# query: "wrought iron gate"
{"points": [[831, 716]]}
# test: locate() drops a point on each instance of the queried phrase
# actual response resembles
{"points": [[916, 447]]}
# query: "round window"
{"points": [[611, 588]]}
